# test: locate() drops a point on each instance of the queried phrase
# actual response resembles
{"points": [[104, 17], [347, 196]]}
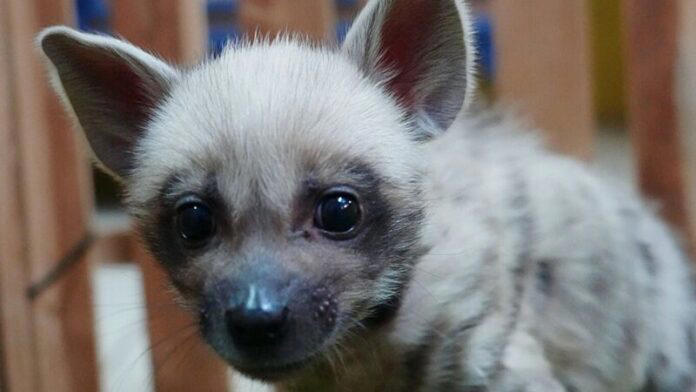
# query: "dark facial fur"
{"points": [[328, 288]]}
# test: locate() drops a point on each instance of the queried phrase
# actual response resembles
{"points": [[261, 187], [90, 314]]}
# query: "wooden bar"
{"points": [[174, 29], [56, 202], [71, 175], [16, 324], [543, 68], [651, 50], [315, 18], [36, 193], [181, 361], [73, 206], [686, 93]]}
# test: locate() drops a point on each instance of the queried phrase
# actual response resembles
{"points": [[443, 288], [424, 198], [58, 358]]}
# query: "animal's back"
{"points": [[539, 268]]}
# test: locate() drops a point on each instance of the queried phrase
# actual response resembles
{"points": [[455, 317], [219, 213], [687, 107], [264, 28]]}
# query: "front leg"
{"points": [[524, 368]]}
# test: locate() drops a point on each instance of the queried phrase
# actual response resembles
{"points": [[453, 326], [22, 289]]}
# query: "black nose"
{"points": [[256, 318]]}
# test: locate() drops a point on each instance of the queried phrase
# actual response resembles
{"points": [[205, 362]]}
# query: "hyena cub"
{"points": [[335, 229]]}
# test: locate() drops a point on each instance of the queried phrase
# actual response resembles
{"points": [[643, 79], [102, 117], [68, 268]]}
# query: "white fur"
{"points": [[322, 104], [578, 229]]}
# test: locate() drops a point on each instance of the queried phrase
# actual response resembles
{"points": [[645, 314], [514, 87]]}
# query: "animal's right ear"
{"points": [[110, 86], [422, 52]]}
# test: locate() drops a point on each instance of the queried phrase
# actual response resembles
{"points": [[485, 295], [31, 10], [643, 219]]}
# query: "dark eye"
{"points": [[195, 223], [337, 213]]}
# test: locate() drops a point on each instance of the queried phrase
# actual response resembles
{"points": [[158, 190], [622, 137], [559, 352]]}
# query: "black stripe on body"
{"points": [[450, 360], [418, 359], [691, 343]]}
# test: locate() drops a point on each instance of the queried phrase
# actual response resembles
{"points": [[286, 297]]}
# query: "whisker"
{"points": [[153, 347], [186, 339]]}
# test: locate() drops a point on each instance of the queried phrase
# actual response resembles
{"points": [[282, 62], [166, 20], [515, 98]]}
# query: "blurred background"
{"points": [[610, 82]]}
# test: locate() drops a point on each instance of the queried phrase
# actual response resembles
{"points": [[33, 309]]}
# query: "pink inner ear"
{"points": [[405, 37], [121, 83]]}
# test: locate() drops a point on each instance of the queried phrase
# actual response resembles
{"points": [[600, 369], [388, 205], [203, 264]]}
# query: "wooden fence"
{"points": [[47, 341]]}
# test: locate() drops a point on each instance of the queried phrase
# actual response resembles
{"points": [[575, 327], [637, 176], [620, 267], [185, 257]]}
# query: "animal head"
{"points": [[279, 185]]}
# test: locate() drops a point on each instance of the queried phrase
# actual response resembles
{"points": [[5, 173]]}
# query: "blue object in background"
{"points": [[92, 15], [222, 29], [220, 36], [222, 6], [483, 27], [347, 3], [342, 27]]}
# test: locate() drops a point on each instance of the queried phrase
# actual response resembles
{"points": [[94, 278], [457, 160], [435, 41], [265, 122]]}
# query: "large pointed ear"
{"points": [[110, 86], [422, 51]]}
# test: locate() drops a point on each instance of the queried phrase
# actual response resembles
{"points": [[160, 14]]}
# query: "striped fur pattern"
{"points": [[484, 262]]}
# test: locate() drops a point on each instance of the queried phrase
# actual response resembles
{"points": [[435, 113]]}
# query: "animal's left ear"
{"points": [[112, 88], [422, 51]]}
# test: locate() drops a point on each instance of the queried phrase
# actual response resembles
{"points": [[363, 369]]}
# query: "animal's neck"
{"points": [[368, 366]]}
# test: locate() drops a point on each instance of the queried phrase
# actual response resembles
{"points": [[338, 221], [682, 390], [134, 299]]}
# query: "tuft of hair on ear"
{"points": [[421, 51], [110, 87]]}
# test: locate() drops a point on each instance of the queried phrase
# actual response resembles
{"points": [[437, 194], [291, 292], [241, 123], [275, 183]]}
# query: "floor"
{"points": [[120, 311]]}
